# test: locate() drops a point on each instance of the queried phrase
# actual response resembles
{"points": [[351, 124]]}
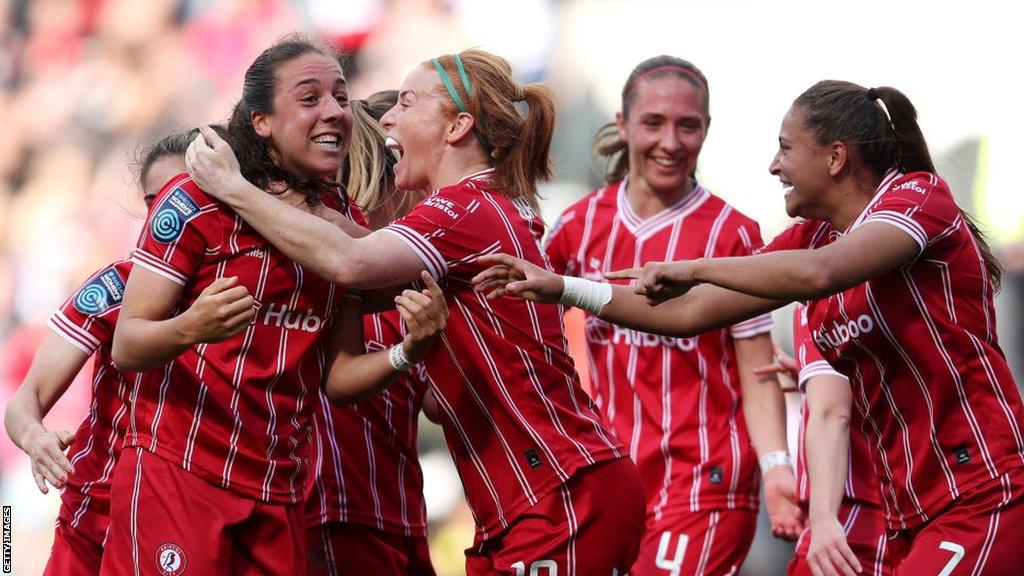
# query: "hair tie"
{"points": [[520, 94], [878, 102], [679, 69]]}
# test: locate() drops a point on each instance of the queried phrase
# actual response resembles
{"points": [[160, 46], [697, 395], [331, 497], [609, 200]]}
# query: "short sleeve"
{"points": [[87, 318], [180, 230], [448, 227], [810, 362], [920, 205], [744, 239], [558, 245]]}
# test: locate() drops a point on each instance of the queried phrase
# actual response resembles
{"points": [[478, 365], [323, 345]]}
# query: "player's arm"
{"points": [[354, 374], [372, 261], [431, 407], [827, 441], [699, 310], [764, 410], [869, 250], [53, 369], [147, 336]]}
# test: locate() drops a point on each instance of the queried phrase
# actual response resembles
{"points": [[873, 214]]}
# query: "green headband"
{"points": [[451, 87]]}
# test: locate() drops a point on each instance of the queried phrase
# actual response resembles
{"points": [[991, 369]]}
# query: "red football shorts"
{"points": [[165, 521], [74, 553], [865, 534], [712, 542], [591, 525], [979, 534], [339, 549]]}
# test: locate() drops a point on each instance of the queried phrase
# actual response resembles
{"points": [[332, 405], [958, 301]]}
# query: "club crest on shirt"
{"points": [[171, 559], [170, 216], [102, 292]]}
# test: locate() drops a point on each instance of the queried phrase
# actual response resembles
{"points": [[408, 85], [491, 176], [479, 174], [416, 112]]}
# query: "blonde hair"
{"points": [[369, 168], [518, 146]]}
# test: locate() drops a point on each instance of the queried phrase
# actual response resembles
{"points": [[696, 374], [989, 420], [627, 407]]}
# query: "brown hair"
{"points": [[880, 125], [518, 146], [607, 142], [252, 150]]}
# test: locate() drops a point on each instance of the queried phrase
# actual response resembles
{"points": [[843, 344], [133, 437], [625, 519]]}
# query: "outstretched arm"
{"points": [[53, 369], [866, 252], [372, 261], [699, 310]]}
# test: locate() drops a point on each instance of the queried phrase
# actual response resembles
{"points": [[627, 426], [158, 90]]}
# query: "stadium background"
{"points": [[83, 82]]}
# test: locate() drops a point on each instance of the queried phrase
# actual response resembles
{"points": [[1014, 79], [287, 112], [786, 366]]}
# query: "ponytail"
{"points": [[881, 125], [517, 146]]}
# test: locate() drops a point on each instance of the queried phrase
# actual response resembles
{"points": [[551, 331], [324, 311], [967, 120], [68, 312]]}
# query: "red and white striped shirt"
{"points": [[86, 320], [919, 346], [861, 486], [517, 422], [366, 469], [675, 402], [237, 413]]}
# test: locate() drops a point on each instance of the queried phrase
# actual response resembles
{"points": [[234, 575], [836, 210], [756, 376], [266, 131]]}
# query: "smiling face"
{"points": [[664, 130], [416, 129], [802, 165], [311, 125]]}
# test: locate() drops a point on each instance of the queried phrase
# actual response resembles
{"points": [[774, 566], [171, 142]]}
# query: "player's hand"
{"points": [[658, 281], [212, 164], [510, 276], [221, 311], [425, 314], [49, 463], [786, 516], [784, 364], [829, 553]]}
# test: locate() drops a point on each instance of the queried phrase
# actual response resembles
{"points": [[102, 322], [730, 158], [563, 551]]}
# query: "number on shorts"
{"points": [[536, 567], [958, 554], [674, 565]]}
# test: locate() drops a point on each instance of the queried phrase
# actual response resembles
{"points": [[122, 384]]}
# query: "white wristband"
{"points": [[773, 459], [396, 355], [585, 294]]}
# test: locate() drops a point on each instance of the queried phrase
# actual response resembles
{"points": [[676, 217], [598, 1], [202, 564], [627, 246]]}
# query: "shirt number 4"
{"points": [[673, 565]]}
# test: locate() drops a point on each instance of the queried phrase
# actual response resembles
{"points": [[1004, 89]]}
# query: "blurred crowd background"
{"points": [[85, 83]]}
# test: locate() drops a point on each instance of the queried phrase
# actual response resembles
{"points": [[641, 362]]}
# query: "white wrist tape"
{"points": [[773, 459], [396, 355], [585, 294]]}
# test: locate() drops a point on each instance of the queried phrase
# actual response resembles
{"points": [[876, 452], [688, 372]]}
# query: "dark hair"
{"points": [[173, 144], [369, 167], [607, 142], [252, 150], [880, 125], [518, 146]]}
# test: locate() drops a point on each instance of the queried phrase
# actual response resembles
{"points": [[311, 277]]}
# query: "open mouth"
{"points": [[328, 141], [394, 147]]}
